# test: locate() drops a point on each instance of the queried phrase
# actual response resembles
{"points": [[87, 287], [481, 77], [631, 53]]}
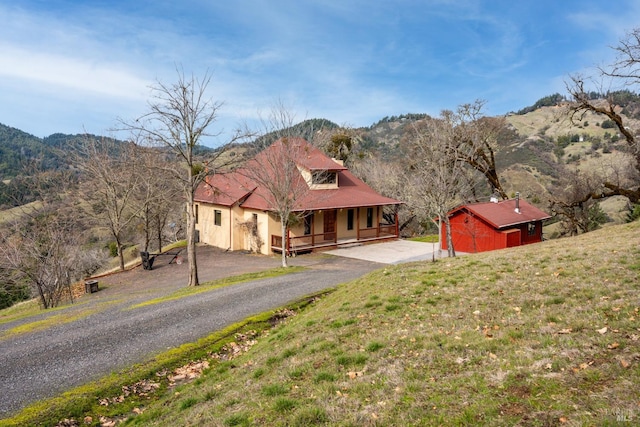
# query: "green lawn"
{"points": [[431, 238]]}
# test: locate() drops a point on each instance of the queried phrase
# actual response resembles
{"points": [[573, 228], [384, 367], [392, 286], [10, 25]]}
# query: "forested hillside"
{"points": [[530, 151], [541, 154], [18, 147], [24, 156]]}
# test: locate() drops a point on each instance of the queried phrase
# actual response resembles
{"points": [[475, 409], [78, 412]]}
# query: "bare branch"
{"points": [[180, 115]]}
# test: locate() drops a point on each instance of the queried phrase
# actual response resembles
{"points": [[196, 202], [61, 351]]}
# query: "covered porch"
{"points": [[335, 228]]}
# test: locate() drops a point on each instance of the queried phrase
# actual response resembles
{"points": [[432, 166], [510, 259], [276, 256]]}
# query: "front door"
{"points": [[330, 225]]}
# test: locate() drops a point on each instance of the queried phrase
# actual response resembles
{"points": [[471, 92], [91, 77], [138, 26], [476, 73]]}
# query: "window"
{"points": [[369, 217], [350, 219], [196, 212], [323, 177], [531, 228], [217, 217], [307, 224]]}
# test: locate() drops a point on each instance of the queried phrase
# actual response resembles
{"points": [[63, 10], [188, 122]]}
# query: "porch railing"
{"points": [[323, 240]]}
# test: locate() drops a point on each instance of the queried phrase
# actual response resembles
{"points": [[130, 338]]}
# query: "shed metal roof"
{"points": [[503, 213]]}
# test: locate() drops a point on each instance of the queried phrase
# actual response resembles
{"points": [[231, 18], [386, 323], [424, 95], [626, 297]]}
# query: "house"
{"points": [[480, 227], [235, 211]]}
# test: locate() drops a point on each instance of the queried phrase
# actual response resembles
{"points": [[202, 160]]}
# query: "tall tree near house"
{"points": [[389, 179], [338, 143], [437, 174], [623, 73], [112, 178], [157, 194], [475, 141], [180, 116], [276, 171]]}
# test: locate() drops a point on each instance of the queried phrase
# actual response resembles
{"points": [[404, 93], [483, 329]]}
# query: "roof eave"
{"points": [[520, 222]]}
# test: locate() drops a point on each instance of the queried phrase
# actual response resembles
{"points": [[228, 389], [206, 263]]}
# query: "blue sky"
{"points": [[74, 66]]}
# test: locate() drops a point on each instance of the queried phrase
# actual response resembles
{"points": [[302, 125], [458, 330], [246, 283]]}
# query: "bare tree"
{"points": [[110, 170], [180, 115], [389, 178], [44, 247], [437, 174], [571, 196], [275, 171], [476, 138], [623, 73], [157, 194]]}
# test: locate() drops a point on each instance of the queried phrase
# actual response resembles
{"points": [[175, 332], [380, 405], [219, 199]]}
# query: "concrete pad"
{"points": [[395, 252]]}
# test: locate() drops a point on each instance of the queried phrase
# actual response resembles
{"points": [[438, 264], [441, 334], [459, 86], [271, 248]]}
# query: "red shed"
{"points": [[480, 227]]}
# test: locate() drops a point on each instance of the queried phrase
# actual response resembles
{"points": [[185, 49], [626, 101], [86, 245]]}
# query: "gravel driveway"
{"points": [[107, 335]]}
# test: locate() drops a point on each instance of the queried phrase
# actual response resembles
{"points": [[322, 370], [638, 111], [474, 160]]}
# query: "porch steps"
{"points": [[351, 245]]}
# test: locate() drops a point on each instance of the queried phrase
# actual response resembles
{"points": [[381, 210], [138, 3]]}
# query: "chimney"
{"points": [[517, 203]]}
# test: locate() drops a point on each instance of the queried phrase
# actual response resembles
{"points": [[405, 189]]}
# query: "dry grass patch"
{"points": [[541, 335]]}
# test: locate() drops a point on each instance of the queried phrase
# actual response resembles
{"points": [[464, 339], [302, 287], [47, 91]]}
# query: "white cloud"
{"points": [[70, 73], [350, 62]]}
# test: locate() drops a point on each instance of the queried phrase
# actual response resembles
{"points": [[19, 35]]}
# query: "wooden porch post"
{"points": [[358, 224], [397, 225], [288, 242], [335, 226], [377, 221], [313, 229]]}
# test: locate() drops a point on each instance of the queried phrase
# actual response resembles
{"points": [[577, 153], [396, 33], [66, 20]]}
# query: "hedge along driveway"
{"points": [[45, 362]]}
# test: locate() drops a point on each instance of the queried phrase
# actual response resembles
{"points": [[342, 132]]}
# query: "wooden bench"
{"points": [[148, 258]]}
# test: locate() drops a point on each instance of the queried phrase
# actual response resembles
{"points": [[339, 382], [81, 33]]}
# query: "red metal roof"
{"points": [[235, 187], [503, 213], [224, 189]]}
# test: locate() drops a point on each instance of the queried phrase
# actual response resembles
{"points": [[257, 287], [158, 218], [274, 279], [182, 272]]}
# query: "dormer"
{"points": [[324, 179], [319, 171], [320, 179]]}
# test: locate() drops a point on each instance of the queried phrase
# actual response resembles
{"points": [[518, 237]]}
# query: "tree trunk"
{"points": [[159, 232], [191, 242], [42, 295], [450, 249], [147, 231], [120, 254], [439, 237], [283, 227]]}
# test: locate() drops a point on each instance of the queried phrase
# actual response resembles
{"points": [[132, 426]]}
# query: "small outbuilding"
{"points": [[480, 227]]}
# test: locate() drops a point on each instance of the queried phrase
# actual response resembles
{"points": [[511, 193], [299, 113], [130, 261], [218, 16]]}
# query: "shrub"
{"points": [[607, 124], [634, 213], [11, 293], [113, 249]]}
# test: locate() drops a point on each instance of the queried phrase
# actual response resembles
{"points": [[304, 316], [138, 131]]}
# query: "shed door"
{"points": [[513, 238]]}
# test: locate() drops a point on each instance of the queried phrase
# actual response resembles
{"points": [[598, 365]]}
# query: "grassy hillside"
{"points": [[539, 335]]}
